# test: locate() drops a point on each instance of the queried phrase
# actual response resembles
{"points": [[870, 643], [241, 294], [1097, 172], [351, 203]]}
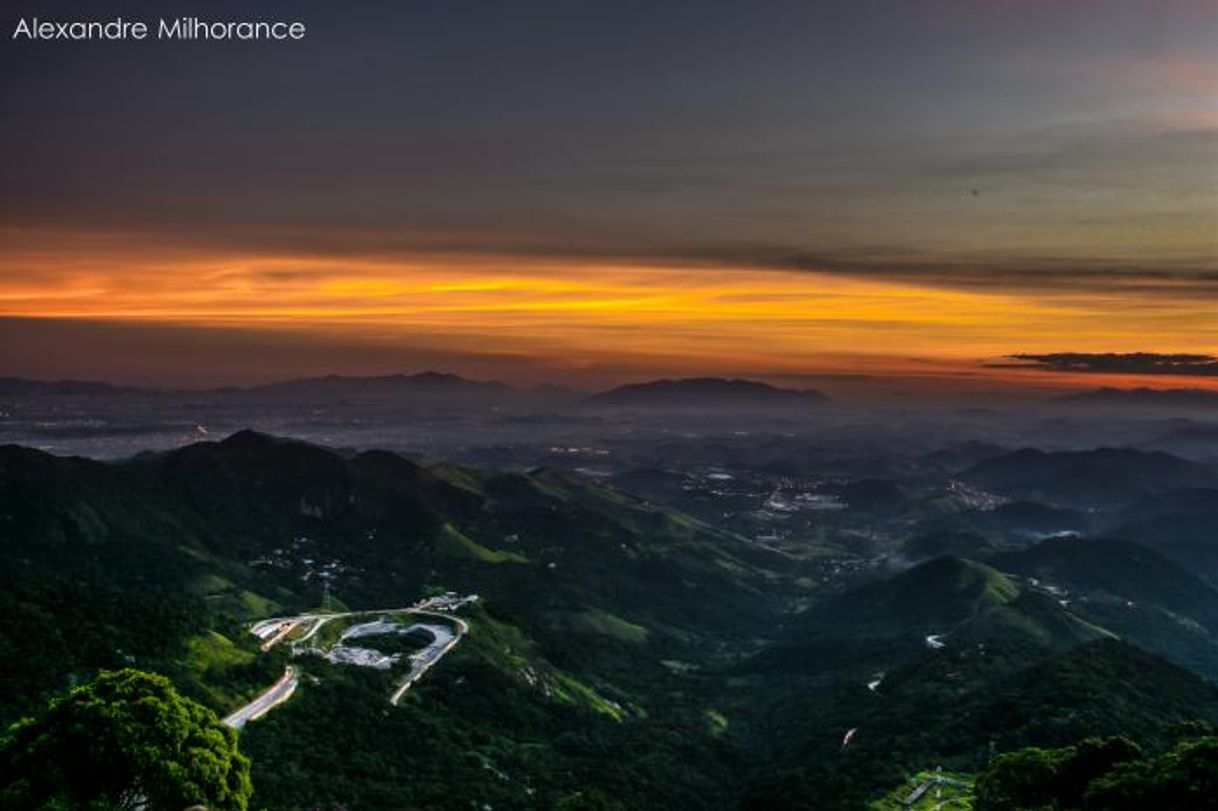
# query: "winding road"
{"points": [[275, 695], [425, 659], [445, 636]]}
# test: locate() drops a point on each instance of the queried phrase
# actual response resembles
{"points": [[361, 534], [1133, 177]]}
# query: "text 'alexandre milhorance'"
{"points": [[177, 28]]}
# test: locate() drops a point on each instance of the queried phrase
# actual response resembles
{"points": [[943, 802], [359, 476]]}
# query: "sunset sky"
{"points": [[587, 193]]}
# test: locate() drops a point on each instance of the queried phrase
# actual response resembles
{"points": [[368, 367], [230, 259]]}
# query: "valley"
{"points": [[609, 406], [766, 620]]}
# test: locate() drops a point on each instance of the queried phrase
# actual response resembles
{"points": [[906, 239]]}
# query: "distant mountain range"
{"points": [[706, 393], [438, 388], [423, 381], [1106, 477], [424, 388], [23, 387], [1145, 398]]}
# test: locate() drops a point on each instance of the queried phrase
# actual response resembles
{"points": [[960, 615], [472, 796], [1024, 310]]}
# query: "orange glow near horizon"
{"points": [[647, 318]]}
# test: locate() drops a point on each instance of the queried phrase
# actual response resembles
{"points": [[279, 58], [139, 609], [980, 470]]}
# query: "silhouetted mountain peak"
{"points": [[707, 393], [249, 439], [429, 380]]}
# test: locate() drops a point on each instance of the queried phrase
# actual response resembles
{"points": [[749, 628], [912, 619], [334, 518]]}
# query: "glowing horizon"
{"points": [[548, 191], [567, 316]]}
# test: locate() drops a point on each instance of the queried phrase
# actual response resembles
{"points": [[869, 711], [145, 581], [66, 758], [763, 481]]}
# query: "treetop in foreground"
{"points": [[127, 740]]}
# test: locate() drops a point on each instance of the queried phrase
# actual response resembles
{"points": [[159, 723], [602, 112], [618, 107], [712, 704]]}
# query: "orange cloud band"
{"points": [[706, 318]]}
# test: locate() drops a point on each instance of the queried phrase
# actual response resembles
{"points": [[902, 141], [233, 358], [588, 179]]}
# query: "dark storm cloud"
{"points": [[1138, 363], [1037, 273]]}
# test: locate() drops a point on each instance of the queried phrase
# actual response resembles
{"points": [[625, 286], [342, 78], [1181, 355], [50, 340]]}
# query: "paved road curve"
{"points": [[275, 695], [425, 659], [274, 630]]}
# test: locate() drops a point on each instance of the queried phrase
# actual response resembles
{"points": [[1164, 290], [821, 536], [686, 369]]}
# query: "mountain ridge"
{"points": [[705, 393]]}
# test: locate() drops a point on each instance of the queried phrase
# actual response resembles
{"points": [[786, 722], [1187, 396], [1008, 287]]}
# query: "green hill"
{"points": [[942, 662], [607, 625], [954, 707], [220, 532], [1104, 477], [157, 562], [945, 598], [1130, 590]]}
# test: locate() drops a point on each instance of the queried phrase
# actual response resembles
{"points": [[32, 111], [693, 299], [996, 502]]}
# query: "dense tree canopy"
{"points": [[1186, 777], [127, 740], [1102, 775]]}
